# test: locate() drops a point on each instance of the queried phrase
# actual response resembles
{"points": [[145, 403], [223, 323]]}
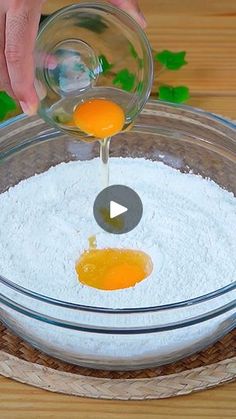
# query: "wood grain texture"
{"points": [[223, 105], [18, 401], [206, 29]]}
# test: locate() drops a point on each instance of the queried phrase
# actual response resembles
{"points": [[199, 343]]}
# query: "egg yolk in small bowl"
{"points": [[100, 118]]}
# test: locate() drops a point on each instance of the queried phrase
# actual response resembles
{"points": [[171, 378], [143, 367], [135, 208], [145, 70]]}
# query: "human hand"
{"points": [[19, 21]]}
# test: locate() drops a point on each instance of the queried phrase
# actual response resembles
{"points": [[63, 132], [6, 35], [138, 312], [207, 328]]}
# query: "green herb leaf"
{"points": [[140, 63], [62, 118], [7, 105], [125, 79], [177, 94], [135, 55], [140, 87], [94, 24], [133, 51], [104, 63], [171, 60]]}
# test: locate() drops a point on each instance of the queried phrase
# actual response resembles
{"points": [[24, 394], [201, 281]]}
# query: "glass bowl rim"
{"points": [[171, 306]]}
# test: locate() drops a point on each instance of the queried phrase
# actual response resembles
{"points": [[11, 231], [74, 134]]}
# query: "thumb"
{"points": [[132, 8]]}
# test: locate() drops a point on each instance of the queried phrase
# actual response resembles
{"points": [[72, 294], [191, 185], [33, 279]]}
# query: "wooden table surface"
{"points": [[206, 29]]}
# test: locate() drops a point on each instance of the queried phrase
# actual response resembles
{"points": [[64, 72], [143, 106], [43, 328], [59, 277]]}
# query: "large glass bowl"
{"points": [[181, 137]]}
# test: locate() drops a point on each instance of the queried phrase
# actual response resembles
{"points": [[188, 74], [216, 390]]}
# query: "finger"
{"points": [[21, 30], [5, 83], [132, 8]]}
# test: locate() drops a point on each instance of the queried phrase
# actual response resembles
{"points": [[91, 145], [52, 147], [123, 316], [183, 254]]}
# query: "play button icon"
{"points": [[118, 209]]}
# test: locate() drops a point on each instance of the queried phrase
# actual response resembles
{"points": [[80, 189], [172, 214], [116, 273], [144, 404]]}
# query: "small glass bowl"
{"points": [[91, 50], [181, 137]]}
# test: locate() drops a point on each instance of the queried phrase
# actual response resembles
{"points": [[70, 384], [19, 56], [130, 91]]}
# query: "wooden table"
{"points": [[206, 29]]}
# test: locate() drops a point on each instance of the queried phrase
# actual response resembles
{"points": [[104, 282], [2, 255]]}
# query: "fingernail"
{"points": [[29, 109]]}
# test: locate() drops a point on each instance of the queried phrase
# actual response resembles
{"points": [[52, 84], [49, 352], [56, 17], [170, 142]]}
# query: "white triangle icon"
{"points": [[116, 209]]}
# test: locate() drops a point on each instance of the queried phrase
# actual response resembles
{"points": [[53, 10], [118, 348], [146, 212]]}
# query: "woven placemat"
{"points": [[209, 368]]}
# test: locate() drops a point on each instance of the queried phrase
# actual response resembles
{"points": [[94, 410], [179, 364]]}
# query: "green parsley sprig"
{"points": [[168, 60], [172, 61]]}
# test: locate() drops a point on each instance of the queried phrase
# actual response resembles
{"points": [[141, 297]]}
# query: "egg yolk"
{"points": [[113, 269], [100, 118]]}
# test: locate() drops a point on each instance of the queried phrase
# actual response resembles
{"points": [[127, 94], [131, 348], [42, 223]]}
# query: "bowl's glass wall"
{"points": [[181, 138], [105, 350]]}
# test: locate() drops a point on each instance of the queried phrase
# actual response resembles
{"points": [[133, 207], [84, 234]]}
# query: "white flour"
{"points": [[188, 228]]}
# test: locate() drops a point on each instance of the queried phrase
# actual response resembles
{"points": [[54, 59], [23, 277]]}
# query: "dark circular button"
{"points": [[118, 209]]}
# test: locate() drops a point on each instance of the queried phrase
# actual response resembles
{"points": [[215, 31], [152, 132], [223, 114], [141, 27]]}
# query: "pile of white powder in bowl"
{"points": [[188, 228]]}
